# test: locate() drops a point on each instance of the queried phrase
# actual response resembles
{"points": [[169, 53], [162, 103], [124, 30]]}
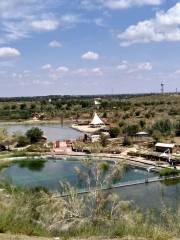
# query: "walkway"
{"points": [[123, 184]]}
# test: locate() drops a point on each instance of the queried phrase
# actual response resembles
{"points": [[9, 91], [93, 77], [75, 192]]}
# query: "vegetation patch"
{"points": [[169, 172]]}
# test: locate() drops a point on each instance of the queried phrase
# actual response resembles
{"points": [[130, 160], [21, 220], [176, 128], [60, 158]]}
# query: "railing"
{"points": [[122, 184]]}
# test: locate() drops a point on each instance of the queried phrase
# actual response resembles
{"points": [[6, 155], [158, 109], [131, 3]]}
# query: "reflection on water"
{"points": [[32, 165], [51, 131]]}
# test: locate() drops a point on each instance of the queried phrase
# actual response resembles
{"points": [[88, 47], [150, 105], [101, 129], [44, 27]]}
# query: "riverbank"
{"points": [[33, 122]]}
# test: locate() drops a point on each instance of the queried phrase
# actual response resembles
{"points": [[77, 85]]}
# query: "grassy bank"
{"points": [[38, 213]]}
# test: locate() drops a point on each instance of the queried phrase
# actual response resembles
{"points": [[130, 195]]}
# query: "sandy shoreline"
{"points": [[85, 128]]}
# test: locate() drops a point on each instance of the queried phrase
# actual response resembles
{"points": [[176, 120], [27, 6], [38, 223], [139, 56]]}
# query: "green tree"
{"points": [[34, 134], [131, 129], [114, 132], [164, 126], [23, 106], [142, 123]]}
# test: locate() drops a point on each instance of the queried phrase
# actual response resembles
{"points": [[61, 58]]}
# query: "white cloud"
{"points": [[90, 56], [118, 4], [121, 4], [97, 71], [19, 19], [8, 52], [45, 25], [147, 66], [46, 67], [62, 69], [88, 72], [123, 65], [164, 27], [55, 44], [127, 67]]}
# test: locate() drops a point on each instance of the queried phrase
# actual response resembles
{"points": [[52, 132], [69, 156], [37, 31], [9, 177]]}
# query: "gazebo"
{"points": [[96, 122]]}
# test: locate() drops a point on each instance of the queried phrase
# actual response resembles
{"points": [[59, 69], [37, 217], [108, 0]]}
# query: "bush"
{"points": [[22, 141], [103, 140], [114, 132], [34, 134], [168, 172], [156, 135], [164, 126], [131, 129]]}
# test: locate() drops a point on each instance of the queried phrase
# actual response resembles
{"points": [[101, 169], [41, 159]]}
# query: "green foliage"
{"points": [[114, 132], [22, 141], [168, 172], [104, 167], [164, 126], [131, 129], [34, 134], [103, 140], [142, 123], [156, 135]]}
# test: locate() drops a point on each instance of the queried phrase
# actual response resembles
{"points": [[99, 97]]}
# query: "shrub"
{"points": [[22, 141], [168, 172], [114, 132], [164, 126], [131, 129], [103, 140], [34, 134], [156, 135]]}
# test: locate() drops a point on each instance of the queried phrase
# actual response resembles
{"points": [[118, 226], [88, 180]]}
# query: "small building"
{"points": [[97, 102], [96, 122], [163, 147], [142, 134], [62, 147]]}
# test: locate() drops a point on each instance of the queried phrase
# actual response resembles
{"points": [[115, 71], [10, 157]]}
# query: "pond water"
{"points": [[50, 173], [51, 131]]}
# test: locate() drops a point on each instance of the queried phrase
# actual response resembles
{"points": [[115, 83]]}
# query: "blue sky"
{"points": [[88, 46]]}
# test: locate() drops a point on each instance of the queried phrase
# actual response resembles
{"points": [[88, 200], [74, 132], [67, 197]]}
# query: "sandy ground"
{"points": [[85, 128]]}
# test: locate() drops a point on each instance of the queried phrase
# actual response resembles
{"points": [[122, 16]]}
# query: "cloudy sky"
{"points": [[88, 46]]}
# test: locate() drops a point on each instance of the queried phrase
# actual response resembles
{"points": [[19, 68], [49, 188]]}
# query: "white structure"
{"points": [[97, 102], [142, 134], [163, 147], [96, 122]]}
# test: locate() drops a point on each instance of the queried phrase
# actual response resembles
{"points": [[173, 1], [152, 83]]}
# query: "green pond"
{"points": [[50, 173]]}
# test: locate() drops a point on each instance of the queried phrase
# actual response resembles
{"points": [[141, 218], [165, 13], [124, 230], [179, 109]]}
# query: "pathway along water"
{"points": [[125, 184]]}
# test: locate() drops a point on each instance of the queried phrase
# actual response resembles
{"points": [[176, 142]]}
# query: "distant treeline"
{"points": [[66, 97]]}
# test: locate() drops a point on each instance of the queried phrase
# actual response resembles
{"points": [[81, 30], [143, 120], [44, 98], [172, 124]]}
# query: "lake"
{"points": [[51, 131], [50, 173]]}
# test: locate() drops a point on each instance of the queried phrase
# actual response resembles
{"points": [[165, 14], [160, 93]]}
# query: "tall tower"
{"points": [[162, 88]]}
